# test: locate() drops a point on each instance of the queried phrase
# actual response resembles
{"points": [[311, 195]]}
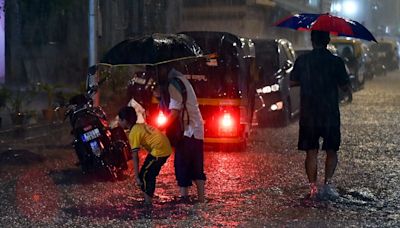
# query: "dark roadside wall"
{"points": [[46, 40]]}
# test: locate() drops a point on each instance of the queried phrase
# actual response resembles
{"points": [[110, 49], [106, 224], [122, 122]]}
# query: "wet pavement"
{"points": [[264, 186]]}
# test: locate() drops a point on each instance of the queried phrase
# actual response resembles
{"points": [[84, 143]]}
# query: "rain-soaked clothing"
{"points": [[189, 153], [319, 74], [309, 137], [149, 171], [189, 159], [151, 139], [195, 127], [159, 148]]}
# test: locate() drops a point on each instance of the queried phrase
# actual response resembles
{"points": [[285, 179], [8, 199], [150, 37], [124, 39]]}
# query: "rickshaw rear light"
{"points": [[227, 126], [161, 119], [226, 121]]}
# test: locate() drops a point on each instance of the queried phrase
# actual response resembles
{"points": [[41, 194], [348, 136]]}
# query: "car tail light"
{"points": [[161, 119]]}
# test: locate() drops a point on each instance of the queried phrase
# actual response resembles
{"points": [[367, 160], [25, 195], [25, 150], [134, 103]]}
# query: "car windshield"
{"points": [[344, 49], [267, 58]]}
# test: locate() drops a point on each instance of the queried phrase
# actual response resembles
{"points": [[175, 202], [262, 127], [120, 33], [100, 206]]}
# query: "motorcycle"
{"points": [[100, 149]]}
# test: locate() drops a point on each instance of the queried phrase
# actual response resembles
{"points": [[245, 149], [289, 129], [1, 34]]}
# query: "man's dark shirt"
{"points": [[319, 74]]}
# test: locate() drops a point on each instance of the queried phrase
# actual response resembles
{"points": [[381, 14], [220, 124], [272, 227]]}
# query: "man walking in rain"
{"points": [[319, 74]]}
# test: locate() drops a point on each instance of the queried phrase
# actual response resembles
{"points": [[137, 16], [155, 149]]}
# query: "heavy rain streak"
{"points": [[199, 113]]}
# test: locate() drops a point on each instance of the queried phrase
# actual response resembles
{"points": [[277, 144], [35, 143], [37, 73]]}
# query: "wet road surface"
{"points": [[263, 186]]}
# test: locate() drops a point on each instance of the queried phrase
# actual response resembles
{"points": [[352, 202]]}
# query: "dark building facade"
{"points": [[249, 18], [47, 40]]}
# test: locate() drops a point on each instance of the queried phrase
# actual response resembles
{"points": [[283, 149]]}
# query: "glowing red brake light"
{"points": [[226, 120], [161, 119], [227, 125]]}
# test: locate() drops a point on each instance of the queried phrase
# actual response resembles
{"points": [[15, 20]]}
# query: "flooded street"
{"points": [[263, 186]]}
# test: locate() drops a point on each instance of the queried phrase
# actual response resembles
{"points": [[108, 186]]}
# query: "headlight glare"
{"points": [[269, 89], [275, 87]]}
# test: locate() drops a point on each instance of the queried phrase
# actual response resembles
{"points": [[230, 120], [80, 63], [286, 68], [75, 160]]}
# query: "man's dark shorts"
{"points": [[309, 137], [189, 157], [150, 169]]}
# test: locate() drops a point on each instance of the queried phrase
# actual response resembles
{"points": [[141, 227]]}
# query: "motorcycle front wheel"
{"points": [[104, 171]]}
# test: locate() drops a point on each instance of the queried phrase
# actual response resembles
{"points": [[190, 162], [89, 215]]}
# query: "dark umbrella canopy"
{"points": [[152, 49], [134, 66], [325, 22]]}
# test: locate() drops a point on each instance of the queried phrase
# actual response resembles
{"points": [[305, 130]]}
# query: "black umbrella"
{"points": [[152, 49], [158, 53]]}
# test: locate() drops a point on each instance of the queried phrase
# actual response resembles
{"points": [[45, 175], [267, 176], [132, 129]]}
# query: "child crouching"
{"points": [[151, 139]]}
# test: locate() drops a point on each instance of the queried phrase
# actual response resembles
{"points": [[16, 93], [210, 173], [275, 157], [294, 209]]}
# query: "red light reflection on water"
{"points": [[37, 197]]}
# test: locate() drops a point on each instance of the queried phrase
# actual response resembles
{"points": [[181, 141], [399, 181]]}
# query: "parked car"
{"points": [[353, 53], [301, 51], [277, 102], [344, 96]]}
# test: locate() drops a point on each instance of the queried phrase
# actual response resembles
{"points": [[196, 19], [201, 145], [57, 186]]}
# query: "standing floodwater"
{"points": [[263, 186]]}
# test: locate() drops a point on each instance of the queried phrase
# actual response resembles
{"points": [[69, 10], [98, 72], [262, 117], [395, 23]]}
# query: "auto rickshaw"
{"points": [[354, 53], [385, 55], [227, 86], [220, 81]]}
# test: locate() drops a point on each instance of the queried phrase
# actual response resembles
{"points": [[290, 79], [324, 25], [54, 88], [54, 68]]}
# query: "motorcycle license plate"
{"points": [[90, 135]]}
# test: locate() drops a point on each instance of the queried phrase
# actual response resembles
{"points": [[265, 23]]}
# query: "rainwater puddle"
{"points": [[352, 199], [360, 197], [20, 158]]}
